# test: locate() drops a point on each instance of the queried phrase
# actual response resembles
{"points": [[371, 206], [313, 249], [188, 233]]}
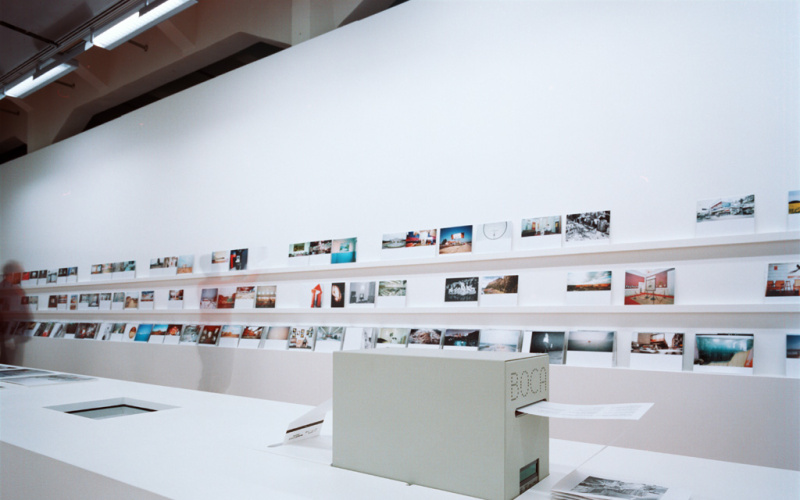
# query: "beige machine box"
{"points": [[442, 419]]}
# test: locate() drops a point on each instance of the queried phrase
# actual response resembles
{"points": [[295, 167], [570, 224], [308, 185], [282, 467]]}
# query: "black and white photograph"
{"points": [[362, 293], [493, 237], [190, 334], [392, 288], [588, 227], [425, 338], [329, 338], [551, 343], [591, 348], [393, 241], [322, 247], [612, 488], [461, 289]]}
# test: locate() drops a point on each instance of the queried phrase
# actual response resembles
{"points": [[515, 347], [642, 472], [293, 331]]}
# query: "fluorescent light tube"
{"points": [[33, 83], [142, 20]]}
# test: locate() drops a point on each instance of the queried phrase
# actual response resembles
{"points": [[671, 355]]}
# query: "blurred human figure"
{"points": [[10, 310]]}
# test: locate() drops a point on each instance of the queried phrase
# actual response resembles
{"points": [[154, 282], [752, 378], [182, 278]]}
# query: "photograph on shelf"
{"points": [[238, 260], [173, 333], [723, 353], [43, 277], [316, 296], [251, 336], [540, 232], [645, 344], [391, 293], [319, 252], [590, 348], [83, 302], [392, 337], [588, 287], [143, 333], [461, 339], [185, 264], [344, 251], [421, 238], [409, 244], [551, 343], [793, 216], [362, 294], [277, 337], [175, 299], [209, 335], [68, 332], [457, 239], [499, 290], [721, 216], [337, 295], [588, 227], [158, 333], [94, 301], [72, 275], [461, 290], [392, 241], [793, 355], [649, 287], [229, 335], [245, 297], [299, 253], [147, 300], [117, 332], [425, 338], [130, 332], [220, 257], [131, 300], [63, 272], [52, 277], [163, 266], [96, 272], [226, 297], [208, 298], [329, 338], [301, 338], [117, 301], [190, 334], [493, 237], [48, 329], [104, 332], [783, 280], [40, 328], [500, 340], [357, 337], [52, 302], [266, 296], [105, 301]]}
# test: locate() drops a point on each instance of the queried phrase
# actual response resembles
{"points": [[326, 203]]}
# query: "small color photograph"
{"points": [[455, 240], [143, 333], [175, 295], [589, 281], [208, 298], [588, 226], [334, 333], [174, 330], [550, 343], [337, 294], [590, 341], [159, 330], [299, 249], [118, 297], [722, 349], [245, 293], [793, 346], [209, 335], [650, 286], [278, 333], [231, 331], [657, 343], [132, 300], [393, 240], [491, 285], [148, 295], [226, 297], [301, 338], [541, 226], [238, 260], [794, 202], [266, 296], [421, 238], [219, 257], [322, 247], [190, 334], [461, 289], [344, 251], [735, 207], [392, 288], [252, 332], [397, 336], [185, 264], [499, 340], [427, 336], [461, 338], [783, 280]]}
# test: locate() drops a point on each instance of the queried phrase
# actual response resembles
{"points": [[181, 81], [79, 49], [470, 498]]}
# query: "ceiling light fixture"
{"points": [[40, 78], [139, 21]]}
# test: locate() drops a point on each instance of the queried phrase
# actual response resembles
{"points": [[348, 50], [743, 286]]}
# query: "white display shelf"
{"points": [[740, 246]]}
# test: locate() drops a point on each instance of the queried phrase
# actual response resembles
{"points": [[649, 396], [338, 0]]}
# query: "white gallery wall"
{"points": [[439, 113]]}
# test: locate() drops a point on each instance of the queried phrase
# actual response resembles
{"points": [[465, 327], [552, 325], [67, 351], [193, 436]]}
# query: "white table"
{"points": [[217, 446]]}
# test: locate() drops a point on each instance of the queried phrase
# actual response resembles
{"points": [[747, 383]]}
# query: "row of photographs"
{"points": [[31, 377], [642, 287], [495, 236], [581, 347]]}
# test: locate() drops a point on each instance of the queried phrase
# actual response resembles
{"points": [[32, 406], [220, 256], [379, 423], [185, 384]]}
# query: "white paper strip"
{"points": [[625, 411]]}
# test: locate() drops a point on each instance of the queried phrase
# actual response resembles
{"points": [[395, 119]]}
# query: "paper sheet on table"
{"points": [[625, 411], [308, 425]]}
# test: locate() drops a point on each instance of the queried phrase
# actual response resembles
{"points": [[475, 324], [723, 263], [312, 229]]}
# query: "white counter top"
{"points": [[217, 446]]}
